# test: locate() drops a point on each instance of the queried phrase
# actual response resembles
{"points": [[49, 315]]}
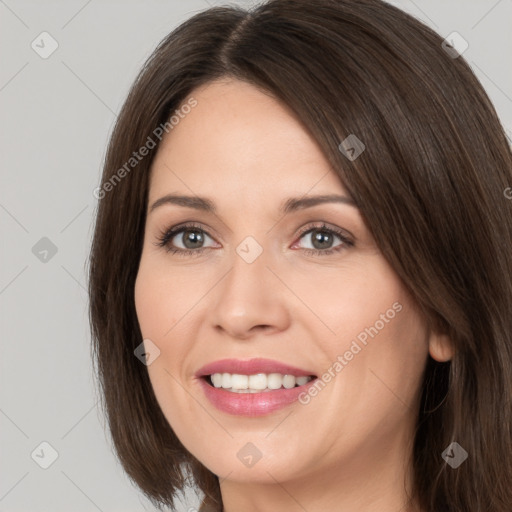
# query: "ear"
{"points": [[440, 347]]}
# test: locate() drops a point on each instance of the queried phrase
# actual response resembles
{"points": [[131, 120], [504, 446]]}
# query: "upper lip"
{"points": [[251, 367]]}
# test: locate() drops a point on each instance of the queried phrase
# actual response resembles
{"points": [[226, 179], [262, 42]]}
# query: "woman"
{"points": [[370, 369]]}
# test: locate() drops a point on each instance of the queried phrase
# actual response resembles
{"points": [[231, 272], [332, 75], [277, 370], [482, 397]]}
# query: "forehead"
{"points": [[240, 140]]}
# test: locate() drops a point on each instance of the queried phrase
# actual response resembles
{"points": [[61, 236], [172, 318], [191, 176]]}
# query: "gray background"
{"points": [[57, 114]]}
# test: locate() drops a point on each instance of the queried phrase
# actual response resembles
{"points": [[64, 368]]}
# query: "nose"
{"points": [[250, 300]]}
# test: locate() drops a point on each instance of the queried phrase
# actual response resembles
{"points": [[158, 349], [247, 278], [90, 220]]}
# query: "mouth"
{"points": [[254, 387]]}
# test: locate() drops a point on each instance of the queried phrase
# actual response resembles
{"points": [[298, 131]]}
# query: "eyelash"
{"points": [[167, 235]]}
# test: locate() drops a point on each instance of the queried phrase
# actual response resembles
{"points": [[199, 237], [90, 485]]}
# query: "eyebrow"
{"points": [[289, 205]]}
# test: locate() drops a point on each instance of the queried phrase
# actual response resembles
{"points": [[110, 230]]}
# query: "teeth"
{"points": [[226, 380], [239, 381], [217, 380], [302, 380], [289, 381], [256, 383]]}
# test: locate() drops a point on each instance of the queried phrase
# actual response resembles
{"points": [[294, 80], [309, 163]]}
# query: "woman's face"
{"points": [[260, 282]]}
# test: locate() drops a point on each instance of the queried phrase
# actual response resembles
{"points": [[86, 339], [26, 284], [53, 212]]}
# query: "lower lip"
{"points": [[252, 404]]}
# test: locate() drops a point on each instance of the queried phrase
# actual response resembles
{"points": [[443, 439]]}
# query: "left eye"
{"points": [[322, 238]]}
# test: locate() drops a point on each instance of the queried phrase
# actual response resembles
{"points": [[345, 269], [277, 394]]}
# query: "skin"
{"points": [[348, 448]]}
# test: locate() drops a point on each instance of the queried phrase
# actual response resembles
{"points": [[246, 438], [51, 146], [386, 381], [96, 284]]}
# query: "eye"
{"points": [[192, 237], [323, 238]]}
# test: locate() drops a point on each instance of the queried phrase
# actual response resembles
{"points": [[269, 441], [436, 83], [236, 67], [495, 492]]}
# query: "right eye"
{"points": [[190, 234]]}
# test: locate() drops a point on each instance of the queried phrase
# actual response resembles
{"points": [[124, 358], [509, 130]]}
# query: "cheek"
{"points": [[144, 294], [162, 303], [382, 376], [157, 302], [157, 314], [378, 344], [352, 298]]}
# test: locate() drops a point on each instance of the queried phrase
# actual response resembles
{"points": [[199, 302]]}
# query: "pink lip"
{"points": [[251, 404], [251, 367]]}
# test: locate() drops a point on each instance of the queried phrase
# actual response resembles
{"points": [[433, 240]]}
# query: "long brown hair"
{"points": [[430, 185]]}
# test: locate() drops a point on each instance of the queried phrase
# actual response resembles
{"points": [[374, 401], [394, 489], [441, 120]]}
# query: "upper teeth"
{"points": [[258, 382]]}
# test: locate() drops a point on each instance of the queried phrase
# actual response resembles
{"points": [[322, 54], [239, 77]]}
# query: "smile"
{"points": [[257, 383], [253, 387]]}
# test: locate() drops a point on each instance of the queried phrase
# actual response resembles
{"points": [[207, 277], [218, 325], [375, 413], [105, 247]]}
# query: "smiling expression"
{"points": [[268, 276]]}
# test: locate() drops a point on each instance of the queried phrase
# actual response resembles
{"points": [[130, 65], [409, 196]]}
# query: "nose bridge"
{"points": [[248, 296], [249, 274]]}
